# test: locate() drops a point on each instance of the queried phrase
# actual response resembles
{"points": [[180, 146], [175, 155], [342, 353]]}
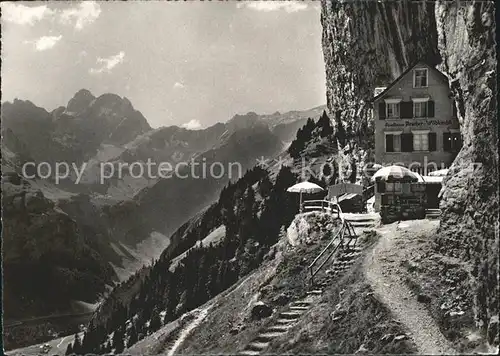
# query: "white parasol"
{"points": [[395, 172], [304, 187]]}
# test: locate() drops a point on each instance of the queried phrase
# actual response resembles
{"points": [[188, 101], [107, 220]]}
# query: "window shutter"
{"points": [[407, 142], [404, 142], [406, 109], [389, 143], [381, 110], [459, 142], [447, 141], [432, 141], [380, 187], [430, 108]]}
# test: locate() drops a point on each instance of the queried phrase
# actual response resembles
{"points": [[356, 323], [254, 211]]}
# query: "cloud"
{"points": [[24, 15], [45, 42], [267, 6], [192, 125], [178, 85], [78, 16], [106, 64], [82, 15]]}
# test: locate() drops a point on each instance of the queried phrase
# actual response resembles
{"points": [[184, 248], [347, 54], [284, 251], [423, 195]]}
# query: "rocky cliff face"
{"points": [[367, 44]]}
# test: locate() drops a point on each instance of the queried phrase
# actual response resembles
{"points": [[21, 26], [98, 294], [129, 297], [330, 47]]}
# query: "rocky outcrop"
{"points": [[470, 199], [308, 228], [368, 44]]}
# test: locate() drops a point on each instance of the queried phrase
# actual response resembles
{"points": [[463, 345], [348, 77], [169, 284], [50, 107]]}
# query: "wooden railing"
{"points": [[368, 192], [346, 231], [325, 206]]}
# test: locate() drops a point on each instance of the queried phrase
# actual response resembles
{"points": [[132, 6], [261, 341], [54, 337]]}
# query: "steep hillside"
{"points": [[368, 44], [252, 210], [45, 250]]}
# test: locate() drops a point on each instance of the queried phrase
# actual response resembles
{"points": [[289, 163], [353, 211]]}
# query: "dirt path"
{"points": [[184, 333], [381, 271]]}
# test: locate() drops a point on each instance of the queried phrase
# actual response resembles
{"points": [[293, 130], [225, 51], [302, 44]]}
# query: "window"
{"points": [[417, 187], [452, 141], [393, 187], [407, 142], [393, 142], [420, 109], [420, 78], [392, 110], [396, 142], [388, 199], [417, 168], [420, 141]]}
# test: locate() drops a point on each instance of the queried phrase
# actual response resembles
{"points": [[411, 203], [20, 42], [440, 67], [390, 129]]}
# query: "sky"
{"points": [[189, 64]]}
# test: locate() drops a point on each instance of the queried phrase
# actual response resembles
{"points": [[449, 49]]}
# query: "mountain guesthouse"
{"points": [[416, 127]]}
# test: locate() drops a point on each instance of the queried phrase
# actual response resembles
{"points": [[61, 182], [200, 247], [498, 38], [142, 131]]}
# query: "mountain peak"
{"points": [[80, 101]]}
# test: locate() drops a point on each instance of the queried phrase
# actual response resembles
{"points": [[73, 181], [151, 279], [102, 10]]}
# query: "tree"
{"points": [[354, 172], [324, 125], [119, 345], [265, 186], [304, 135], [77, 345], [118, 342], [132, 339], [340, 133], [69, 349]]}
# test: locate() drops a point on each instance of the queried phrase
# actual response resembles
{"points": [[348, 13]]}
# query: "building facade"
{"points": [[415, 121]]}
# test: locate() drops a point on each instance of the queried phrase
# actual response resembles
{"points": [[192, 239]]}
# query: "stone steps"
{"points": [[433, 213], [282, 328], [257, 345], [290, 316], [286, 319], [299, 308], [269, 335], [361, 220], [293, 315], [301, 303]]}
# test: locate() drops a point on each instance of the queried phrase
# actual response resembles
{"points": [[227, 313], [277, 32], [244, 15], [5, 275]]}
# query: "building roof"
{"points": [[389, 87]]}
